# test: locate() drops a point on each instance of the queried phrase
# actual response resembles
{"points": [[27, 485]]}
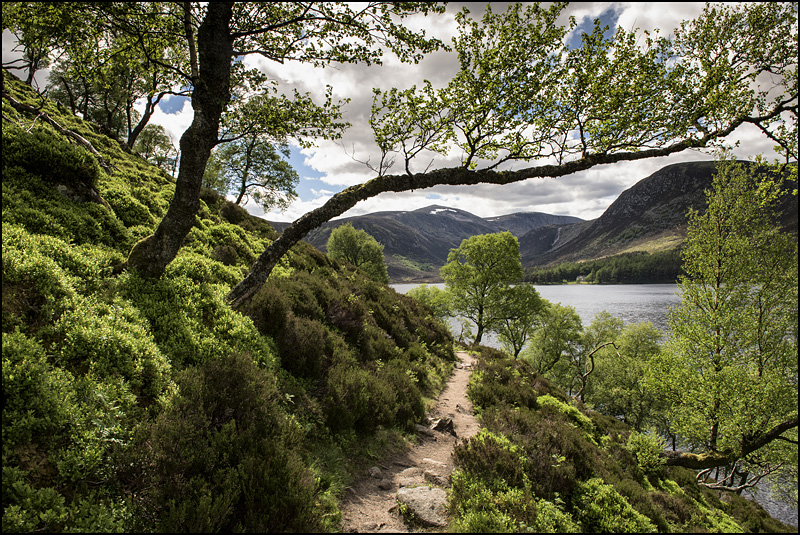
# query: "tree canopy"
{"points": [[523, 95], [729, 370], [357, 247], [476, 275]]}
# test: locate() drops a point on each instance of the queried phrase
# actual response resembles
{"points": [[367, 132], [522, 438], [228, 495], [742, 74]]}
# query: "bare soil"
{"points": [[368, 508]]}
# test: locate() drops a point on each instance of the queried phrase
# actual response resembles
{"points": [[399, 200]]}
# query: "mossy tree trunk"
{"points": [[210, 94]]}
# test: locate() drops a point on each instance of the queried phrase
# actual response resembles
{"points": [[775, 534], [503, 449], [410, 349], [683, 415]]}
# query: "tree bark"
{"points": [[210, 95], [713, 459]]}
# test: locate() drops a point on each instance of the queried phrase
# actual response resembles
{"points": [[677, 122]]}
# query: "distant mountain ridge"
{"points": [[649, 216], [416, 243]]}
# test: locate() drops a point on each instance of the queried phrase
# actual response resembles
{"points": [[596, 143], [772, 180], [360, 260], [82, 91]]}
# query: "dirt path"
{"points": [[370, 504]]}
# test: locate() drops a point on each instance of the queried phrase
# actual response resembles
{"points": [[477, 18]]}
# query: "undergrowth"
{"points": [[544, 463], [150, 405]]}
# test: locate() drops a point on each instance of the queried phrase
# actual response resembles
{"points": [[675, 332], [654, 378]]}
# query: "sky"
{"points": [[331, 166]]}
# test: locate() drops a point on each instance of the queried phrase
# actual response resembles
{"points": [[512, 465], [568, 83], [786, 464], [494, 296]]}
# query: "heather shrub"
{"points": [[600, 509], [649, 504], [356, 400], [647, 448], [493, 459], [503, 381], [408, 406], [302, 347], [224, 457]]}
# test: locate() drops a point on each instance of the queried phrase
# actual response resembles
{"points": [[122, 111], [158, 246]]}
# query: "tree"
{"points": [[251, 167], [38, 28], [477, 274], [555, 341], [357, 247], [729, 370], [618, 388], [436, 299], [316, 33], [155, 146], [523, 95], [521, 308]]}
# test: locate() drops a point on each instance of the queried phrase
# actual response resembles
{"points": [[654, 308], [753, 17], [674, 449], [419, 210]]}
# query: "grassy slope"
{"points": [[135, 404]]}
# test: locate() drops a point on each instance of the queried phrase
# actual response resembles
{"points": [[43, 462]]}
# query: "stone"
{"points": [[434, 478], [375, 472], [385, 484], [410, 476], [423, 430], [434, 463], [426, 505], [445, 425]]}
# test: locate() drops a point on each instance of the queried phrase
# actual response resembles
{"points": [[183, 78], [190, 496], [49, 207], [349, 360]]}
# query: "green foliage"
{"points": [[536, 466], [571, 412], [358, 248], [737, 322], [647, 447], [436, 299], [627, 268], [253, 167], [477, 275], [224, 456], [601, 509], [51, 157]]}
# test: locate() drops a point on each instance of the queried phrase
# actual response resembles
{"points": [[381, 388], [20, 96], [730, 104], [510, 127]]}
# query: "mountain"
{"points": [[649, 216], [416, 243]]}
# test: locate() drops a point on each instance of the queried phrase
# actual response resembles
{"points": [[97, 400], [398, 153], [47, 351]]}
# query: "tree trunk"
{"points": [[210, 95]]}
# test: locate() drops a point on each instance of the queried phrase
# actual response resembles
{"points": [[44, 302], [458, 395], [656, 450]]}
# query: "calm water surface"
{"points": [[633, 303]]}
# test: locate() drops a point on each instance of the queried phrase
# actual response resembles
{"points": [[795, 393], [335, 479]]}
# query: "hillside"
{"points": [[649, 216], [141, 405], [416, 243]]}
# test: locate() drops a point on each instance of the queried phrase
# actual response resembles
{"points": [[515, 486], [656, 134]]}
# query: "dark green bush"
{"points": [[224, 457], [302, 347], [601, 509], [493, 459]]}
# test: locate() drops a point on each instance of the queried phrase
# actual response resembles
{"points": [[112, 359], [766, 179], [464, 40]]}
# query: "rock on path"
{"points": [[417, 477]]}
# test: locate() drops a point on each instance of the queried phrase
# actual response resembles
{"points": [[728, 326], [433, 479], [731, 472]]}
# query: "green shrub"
{"points": [[224, 457], [45, 153], [493, 459], [112, 340], [571, 412], [126, 207], [601, 509], [38, 395], [480, 508], [552, 519], [647, 448]]}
